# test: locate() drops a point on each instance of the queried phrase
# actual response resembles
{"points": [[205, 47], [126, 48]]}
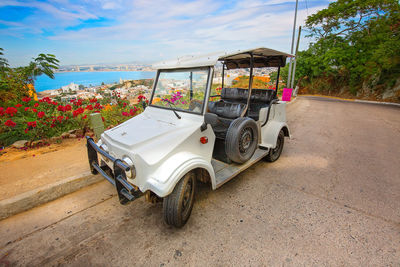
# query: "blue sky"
{"points": [[144, 31]]}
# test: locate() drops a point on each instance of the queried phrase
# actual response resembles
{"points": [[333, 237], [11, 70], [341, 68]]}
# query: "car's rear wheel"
{"points": [[241, 140], [178, 205], [275, 153]]}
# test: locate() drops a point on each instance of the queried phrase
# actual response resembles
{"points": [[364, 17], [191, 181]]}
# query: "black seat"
{"points": [[228, 110], [235, 99]]}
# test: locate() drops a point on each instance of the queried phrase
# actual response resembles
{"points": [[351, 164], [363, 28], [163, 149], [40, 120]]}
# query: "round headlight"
{"points": [[131, 174]]}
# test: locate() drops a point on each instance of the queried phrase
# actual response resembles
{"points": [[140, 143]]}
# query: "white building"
{"points": [[72, 87]]}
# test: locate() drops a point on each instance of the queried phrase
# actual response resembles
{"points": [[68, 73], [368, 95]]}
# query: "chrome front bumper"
{"points": [[126, 192]]}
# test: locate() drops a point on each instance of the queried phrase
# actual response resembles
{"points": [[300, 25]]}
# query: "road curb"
{"points": [[355, 100], [44, 194]]}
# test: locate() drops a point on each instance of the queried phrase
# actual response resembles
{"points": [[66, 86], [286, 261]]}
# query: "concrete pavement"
{"points": [[331, 199]]}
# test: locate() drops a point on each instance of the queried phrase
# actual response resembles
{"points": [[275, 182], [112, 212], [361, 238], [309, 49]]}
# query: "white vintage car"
{"points": [[183, 137]]}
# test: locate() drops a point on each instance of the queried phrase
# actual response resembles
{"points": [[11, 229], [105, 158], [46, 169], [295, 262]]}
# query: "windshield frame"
{"points": [[206, 93]]}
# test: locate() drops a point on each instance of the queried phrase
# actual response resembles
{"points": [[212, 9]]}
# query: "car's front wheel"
{"points": [[178, 205]]}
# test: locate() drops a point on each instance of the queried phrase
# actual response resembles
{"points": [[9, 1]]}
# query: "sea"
{"points": [[93, 78]]}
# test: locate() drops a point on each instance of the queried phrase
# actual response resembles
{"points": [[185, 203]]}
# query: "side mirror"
{"points": [[209, 118]]}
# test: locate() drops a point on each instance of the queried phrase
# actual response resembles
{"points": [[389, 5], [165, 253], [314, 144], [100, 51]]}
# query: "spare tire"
{"points": [[241, 140]]}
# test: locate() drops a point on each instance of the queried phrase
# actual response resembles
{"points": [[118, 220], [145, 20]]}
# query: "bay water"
{"points": [[93, 78]]}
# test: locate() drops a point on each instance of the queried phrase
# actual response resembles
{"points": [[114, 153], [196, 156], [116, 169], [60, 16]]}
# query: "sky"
{"points": [[145, 31]]}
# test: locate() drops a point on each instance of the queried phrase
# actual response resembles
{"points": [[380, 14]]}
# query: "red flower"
{"points": [[141, 97], [52, 125], [102, 118], [93, 100], [10, 123], [60, 118], [61, 108], [78, 103], [36, 105], [26, 130], [45, 99], [32, 124], [67, 107], [98, 106], [34, 110], [84, 117], [126, 114], [66, 118], [18, 105], [124, 105], [77, 112], [40, 114], [26, 99], [1, 111], [132, 111], [89, 107], [27, 108], [11, 111]]}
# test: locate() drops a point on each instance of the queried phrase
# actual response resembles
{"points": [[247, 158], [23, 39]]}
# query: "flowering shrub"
{"points": [[33, 120]]}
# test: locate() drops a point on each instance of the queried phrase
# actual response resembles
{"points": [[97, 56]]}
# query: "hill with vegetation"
{"points": [[355, 51]]}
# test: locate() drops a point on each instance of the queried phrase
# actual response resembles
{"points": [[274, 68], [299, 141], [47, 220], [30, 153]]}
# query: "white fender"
{"points": [[276, 122], [163, 180]]}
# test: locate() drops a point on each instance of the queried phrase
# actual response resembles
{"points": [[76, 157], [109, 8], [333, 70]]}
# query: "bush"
{"points": [[31, 120]]}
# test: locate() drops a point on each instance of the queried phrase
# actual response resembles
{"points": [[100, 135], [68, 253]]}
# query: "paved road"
{"points": [[332, 199]]}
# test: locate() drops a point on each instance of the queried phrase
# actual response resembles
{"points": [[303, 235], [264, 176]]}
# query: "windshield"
{"points": [[181, 90]]}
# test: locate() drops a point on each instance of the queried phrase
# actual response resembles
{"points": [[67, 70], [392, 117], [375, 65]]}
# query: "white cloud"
{"points": [[167, 28]]}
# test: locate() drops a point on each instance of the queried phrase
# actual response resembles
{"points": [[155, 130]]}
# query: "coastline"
{"points": [[104, 71], [89, 78]]}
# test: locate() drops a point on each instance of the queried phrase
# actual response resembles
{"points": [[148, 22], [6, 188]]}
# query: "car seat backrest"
{"points": [[240, 95], [227, 110]]}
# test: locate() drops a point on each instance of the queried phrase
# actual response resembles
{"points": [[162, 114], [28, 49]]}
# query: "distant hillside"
{"points": [[356, 52]]}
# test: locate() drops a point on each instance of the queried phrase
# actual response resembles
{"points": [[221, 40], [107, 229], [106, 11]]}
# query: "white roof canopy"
{"points": [[262, 57]]}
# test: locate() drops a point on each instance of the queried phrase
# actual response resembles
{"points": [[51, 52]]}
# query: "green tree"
{"points": [[14, 81], [356, 41]]}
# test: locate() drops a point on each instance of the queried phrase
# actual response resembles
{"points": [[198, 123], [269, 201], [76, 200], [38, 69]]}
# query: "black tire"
{"points": [[178, 205], [275, 153], [241, 140]]}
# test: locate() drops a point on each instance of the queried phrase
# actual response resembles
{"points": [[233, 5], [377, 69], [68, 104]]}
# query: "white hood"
{"points": [[152, 134]]}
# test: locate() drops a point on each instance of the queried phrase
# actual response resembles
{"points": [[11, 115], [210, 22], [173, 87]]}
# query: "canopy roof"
{"points": [[263, 57]]}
